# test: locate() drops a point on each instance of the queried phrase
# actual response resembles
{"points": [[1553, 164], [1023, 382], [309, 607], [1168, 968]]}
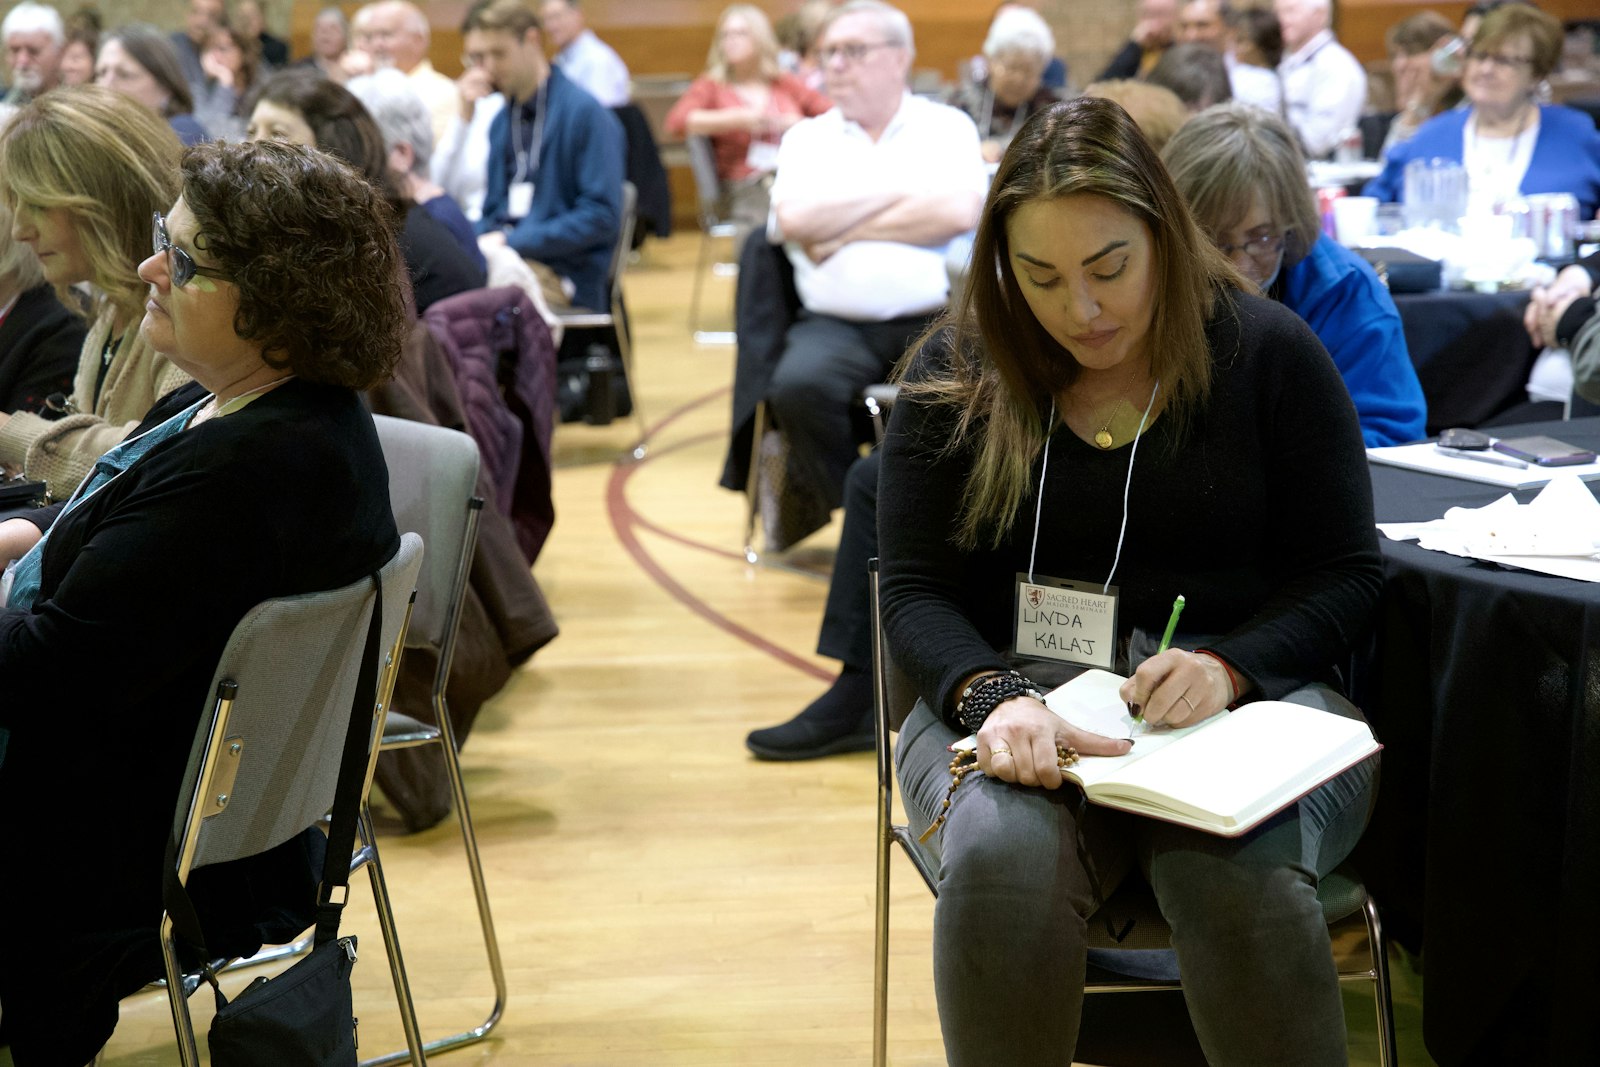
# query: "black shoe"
{"points": [[838, 721]]}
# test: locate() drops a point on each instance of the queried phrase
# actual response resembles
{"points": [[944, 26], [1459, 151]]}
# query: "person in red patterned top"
{"points": [[743, 103]]}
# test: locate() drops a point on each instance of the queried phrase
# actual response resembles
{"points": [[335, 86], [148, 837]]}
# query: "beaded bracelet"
{"points": [[979, 699]]}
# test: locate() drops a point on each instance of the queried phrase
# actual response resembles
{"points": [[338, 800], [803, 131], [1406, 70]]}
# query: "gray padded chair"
{"points": [[266, 755], [433, 474], [1131, 910]]}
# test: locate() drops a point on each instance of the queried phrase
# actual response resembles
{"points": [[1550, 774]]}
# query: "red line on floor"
{"points": [[626, 522]]}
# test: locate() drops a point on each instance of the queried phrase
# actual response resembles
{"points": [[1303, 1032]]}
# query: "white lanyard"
{"points": [[1133, 451], [540, 102]]}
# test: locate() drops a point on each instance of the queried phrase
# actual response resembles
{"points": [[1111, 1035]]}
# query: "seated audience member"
{"points": [[330, 36], [34, 35], [1097, 319], [1243, 178], [461, 161], [1195, 73], [1011, 85], [301, 107], [556, 160], [1324, 86], [138, 61], [1573, 324], [39, 337], [202, 19], [976, 69], [743, 103], [262, 479], [1509, 143], [1214, 24], [797, 33], [397, 34], [1151, 35], [232, 64], [1258, 42], [583, 57], [407, 130], [248, 20], [81, 46], [83, 170], [1420, 90], [866, 199], [840, 720], [1156, 109], [1556, 312]]}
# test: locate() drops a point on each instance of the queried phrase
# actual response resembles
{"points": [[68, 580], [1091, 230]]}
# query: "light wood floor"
{"points": [[662, 898]]}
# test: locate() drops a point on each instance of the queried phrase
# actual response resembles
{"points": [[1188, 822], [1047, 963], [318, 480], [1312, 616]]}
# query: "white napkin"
{"points": [[1557, 532]]}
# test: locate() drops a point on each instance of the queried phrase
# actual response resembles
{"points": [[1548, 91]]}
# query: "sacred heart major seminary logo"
{"points": [[1035, 595]]}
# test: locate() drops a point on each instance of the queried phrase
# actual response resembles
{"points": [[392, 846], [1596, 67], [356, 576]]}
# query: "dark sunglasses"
{"points": [[179, 264]]}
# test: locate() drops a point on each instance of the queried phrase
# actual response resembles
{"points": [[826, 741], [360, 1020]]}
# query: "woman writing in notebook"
{"points": [[1111, 418]]}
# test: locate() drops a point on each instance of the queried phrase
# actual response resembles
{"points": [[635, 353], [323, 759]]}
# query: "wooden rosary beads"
{"points": [[966, 761]]}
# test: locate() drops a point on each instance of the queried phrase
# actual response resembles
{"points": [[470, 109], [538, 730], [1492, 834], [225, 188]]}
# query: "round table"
{"points": [[1484, 851]]}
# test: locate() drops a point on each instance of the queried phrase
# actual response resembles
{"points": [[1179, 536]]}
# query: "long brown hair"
{"points": [[1005, 368]]}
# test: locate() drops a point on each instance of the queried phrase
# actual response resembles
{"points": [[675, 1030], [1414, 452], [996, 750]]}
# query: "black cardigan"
{"points": [[104, 679], [40, 341], [1261, 517]]}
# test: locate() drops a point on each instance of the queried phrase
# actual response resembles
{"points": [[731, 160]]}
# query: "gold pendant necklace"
{"points": [[1103, 438]]}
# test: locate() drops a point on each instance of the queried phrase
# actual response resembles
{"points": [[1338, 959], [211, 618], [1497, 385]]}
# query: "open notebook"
{"points": [[1224, 776]]}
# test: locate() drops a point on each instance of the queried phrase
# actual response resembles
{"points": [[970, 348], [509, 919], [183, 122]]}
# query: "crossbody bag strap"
{"points": [[352, 776]]}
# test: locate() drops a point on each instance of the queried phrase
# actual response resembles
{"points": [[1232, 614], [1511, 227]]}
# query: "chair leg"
{"points": [[880, 960], [1388, 1053], [624, 333], [391, 943], [177, 999], [752, 488], [702, 265], [469, 842]]}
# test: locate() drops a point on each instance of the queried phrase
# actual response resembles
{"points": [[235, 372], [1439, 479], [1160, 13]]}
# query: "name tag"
{"points": [[1072, 622], [763, 156], [519, 200]]}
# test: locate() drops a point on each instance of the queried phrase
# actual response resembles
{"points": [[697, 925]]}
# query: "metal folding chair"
{"points": [[1341, 893], [433, 474], [713, 227], [614, 320], [266, 756]]}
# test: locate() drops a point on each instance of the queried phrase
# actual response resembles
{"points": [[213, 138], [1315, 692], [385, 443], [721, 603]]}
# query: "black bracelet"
{"points": [[979, 699]]}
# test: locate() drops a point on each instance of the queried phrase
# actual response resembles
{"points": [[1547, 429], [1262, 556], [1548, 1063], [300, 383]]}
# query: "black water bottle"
{"points": [[600, 405]]}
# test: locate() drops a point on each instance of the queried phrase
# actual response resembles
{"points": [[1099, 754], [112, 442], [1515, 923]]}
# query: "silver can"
{"points": [[1553, 224]]}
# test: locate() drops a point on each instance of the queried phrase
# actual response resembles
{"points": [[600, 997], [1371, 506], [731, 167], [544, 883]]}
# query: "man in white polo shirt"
{"points": [[1324, 86], [866, 199]]}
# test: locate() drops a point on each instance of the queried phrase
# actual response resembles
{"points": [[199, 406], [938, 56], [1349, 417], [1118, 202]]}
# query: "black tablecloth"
{"points": [[1471, 353], [1484, 852]]}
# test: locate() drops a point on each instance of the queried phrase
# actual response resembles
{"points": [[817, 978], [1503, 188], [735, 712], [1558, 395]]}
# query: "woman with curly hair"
{"points": [[83, 168], [263, 478]]}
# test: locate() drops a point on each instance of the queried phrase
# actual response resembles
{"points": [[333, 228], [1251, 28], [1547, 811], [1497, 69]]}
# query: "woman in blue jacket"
{"points": [[1243, 176], [1509, 144]]}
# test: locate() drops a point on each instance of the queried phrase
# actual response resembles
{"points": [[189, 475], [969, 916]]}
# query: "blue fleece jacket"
{"points": [[1345, 304], [577, 196], [1566, 156]]}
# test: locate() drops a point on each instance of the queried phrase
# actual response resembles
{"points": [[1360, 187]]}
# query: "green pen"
{"points": [[1166, 638]]}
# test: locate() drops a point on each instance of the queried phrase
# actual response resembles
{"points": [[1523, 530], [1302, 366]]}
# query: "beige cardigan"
{"points": [[62, 452]]}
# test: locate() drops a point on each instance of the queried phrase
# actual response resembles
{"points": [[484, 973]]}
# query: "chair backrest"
{"points": [[619, 254], [433, 478], [265, 763], [707, 186]]}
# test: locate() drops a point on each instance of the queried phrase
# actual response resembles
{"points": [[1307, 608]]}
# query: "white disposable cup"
{"points": [[1354, 217]]}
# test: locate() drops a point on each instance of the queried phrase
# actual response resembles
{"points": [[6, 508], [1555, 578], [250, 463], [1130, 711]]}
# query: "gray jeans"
{"points": [[1014, 898]]}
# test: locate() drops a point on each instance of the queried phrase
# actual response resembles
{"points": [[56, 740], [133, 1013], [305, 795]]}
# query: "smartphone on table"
{"points": [[1544, 451]]}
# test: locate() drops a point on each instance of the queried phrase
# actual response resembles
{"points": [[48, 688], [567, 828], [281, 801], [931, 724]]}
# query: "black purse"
{"points": [[1402, 271], [305, 1016]]}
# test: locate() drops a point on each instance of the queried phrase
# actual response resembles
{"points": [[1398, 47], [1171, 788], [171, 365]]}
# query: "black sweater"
{"points": [[1261, 516], [40, 341], [104, 679]]}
